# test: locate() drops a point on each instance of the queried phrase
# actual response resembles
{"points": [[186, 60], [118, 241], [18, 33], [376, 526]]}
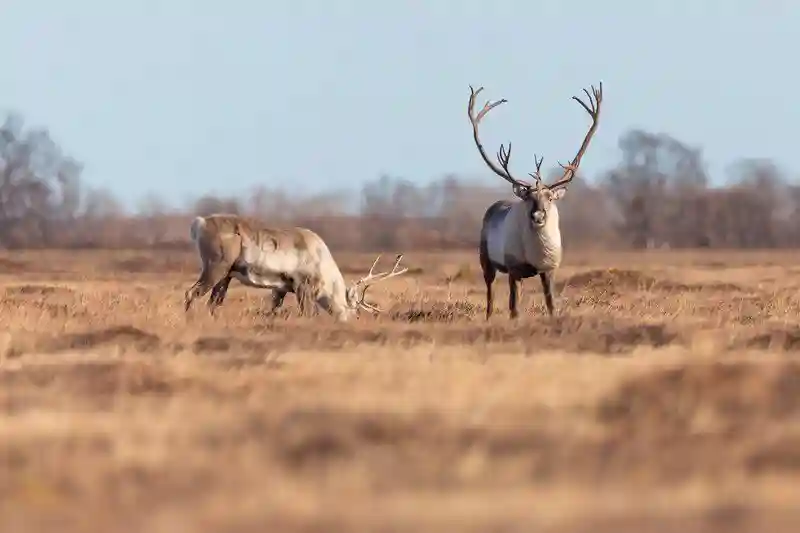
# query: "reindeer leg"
{"points": [[304, 299], [212, 275], [218, 294], [547, 284], [190, 295], [489, 274], [277, 299], [512, 295], [307, 292], [198, 289]]}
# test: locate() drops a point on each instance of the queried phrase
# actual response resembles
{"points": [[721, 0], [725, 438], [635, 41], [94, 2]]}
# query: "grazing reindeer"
{"points": [[522, 238], [285, 260]]}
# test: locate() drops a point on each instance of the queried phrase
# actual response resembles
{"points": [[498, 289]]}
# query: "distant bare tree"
{"points": [[658, 195], [208, 205], [271, 205], [101, 203], [759, 204], [153, 211], [39, 187], [655, 189], [379, 214]]}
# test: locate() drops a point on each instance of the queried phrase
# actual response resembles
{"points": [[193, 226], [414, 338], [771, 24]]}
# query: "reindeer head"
{"points": [[539, 197], [356, 293]]}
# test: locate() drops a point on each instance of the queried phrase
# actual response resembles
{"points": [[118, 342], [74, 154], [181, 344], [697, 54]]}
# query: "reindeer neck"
{"points": [[547, 242]]}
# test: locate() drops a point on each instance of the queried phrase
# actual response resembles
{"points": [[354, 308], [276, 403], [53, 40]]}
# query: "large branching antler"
{"points": [[371, 278], [594, 111], [503, 155]]}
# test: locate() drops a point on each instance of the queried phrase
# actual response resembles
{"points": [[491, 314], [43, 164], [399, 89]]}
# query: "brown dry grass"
{"points": [[666, 397]]}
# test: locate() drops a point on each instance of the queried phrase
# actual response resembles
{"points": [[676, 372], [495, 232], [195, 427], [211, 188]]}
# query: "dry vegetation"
{"points": [[666, 397]]}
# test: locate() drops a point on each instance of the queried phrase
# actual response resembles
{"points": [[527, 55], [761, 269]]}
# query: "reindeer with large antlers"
{"points": [[286, 260], [522, 238]]}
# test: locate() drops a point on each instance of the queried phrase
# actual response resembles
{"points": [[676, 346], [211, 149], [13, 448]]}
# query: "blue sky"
{"points": [[184, 97]]}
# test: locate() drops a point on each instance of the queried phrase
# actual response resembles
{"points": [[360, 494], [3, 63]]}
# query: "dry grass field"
{"points": [[664, 397]]}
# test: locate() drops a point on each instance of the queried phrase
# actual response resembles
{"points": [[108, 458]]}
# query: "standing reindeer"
{"points": [[284, 260], [522, 238]]}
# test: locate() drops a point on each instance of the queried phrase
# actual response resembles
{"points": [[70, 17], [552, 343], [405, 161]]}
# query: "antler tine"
{"points": [[373, 278], [504, 156], [594, 111], [475, 121], [394, 272], [488, 106], [537, 175], [369, 274], [370, 307]]}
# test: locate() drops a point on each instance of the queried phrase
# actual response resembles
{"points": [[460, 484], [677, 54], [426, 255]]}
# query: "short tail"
{"points": [[198, 225]]}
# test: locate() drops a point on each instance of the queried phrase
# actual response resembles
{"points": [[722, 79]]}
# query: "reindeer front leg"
{"points": [[277, 299], [307, 293], [547, 284]]}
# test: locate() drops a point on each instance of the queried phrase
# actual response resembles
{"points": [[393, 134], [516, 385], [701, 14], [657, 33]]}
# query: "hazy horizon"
{"points": [[183, 98]]}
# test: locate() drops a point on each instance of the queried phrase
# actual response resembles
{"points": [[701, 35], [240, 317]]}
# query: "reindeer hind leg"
{"points": [[211, 276], [195, 291], [512, 295], [489, 274], [218, 294]]}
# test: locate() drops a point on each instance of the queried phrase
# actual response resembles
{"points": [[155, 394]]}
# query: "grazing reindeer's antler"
{"points": [[594, 111], [503, 155], [371, 278]]}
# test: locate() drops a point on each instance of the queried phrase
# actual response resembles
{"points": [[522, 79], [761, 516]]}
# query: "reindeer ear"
{"points": [[559, 193]]}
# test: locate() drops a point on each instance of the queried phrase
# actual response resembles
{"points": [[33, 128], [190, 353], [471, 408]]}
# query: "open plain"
{"points": [[664, 397]]}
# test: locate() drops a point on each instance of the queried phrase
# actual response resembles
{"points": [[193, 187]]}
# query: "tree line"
{"points": [[658, 195]]}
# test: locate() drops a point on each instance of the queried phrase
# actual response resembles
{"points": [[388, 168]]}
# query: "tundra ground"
{"points": [[664, 397]]}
